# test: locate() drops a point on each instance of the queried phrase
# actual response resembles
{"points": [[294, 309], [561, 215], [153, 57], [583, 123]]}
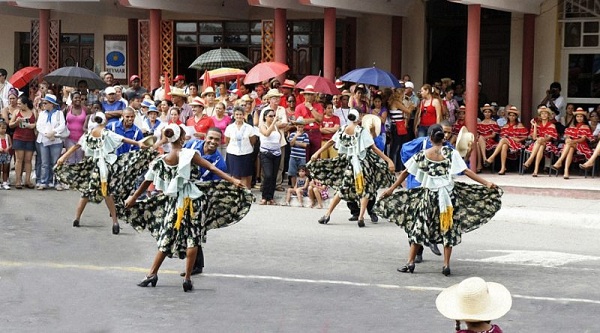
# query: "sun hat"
{"points": [[147, 103], [179, 78], [513, 109], [177, 92], [110, 90], [197, 101], [409, 84], [288, 84], [133, 77], [207, 91], [464, 140], [148, 141], [309, 89], [339, 83], [152, 108], [246, 98], [580, 111], [273, 93], [543, 108], [474, 300], [371, 120], [51, 99], [487, 107]]}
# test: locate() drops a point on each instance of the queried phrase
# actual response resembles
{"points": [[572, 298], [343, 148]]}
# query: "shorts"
{"points": [[295, 163], [23, 145], [5, 158]]}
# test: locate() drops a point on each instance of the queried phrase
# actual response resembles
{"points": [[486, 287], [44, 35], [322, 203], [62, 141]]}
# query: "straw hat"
{"points": [[207, 91], [464, 140], [149, 141], [513, 109], [545, 109], [580, 111], [474, 300], [487, 107], [288, 84], [247, 98], [370, 120], [309, 89], [197, 101], [273, 93], [177, 92]]}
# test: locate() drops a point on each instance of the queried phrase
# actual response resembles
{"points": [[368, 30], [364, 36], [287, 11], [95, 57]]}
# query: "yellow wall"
{"points": [[547, 49], [515, 75], [413, 39], [373, 41], [9, 25]]}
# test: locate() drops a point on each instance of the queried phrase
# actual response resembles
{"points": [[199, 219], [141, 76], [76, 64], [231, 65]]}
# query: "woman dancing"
{"points": [[101, 175], [358, 171], [440, 210], [180, 216]]}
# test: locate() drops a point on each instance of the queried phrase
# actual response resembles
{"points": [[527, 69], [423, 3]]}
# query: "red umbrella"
{"points": [[22, 77], [264, 71], [320, 84]]}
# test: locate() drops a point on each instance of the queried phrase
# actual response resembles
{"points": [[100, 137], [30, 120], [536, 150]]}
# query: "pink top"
{"points": [[75, 124], [222, 125]]}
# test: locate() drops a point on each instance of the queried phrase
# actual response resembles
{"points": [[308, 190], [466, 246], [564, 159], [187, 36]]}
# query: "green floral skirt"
{"points": [[220, 205], [417, 211]]}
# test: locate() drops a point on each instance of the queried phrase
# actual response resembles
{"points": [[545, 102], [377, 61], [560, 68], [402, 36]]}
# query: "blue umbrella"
{"points": [[373, 76]]}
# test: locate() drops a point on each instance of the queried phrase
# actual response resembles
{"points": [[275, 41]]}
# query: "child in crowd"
{"points": [[317, 192], [300, 187], [5, 146], [298, 143]]}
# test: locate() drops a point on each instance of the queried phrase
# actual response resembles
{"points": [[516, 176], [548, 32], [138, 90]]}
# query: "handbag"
{"points": [[401, 127]]}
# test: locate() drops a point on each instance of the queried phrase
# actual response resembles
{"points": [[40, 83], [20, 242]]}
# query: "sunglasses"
{"points": [[270, 116]]}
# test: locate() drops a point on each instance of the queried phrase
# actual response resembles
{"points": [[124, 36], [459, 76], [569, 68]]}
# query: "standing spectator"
{"points": [[159, 93], [286, 89], [75, 116], [119, 95], [152, 121], [5, 157], [273, 97], [298, 143], [401, 108], [5, 87], [311, 113], [192, 92], [221, 121], [179, 82], [164, 108], [270, 155], [342, 111], [23, 121], [9, 110], [240, 138], [330, 125], [109, 79], [135, 89], [554, 101], [359, 99], [50, 127], [409, 91], [180, 101], [209, 101], [200, 121], [430, 112], [112, 107]]}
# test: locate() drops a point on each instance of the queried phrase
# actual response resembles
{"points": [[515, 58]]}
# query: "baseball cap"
{"points": [[110, 90], [179, 78], [409, 84], [134, 77]]}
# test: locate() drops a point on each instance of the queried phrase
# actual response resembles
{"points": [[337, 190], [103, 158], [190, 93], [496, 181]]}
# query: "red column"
{"points": [[281, 38], [132, 47], [397, 46], [473, 41], [329, 44], [527, 79], [155, 17], [44, 38]]}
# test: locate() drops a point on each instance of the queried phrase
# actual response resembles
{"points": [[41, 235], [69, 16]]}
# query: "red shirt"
{"points": [[202, 125], [329, 123], [302, 111]]}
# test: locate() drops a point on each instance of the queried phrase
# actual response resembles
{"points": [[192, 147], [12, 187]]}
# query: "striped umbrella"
{"points": [[218, 58]]}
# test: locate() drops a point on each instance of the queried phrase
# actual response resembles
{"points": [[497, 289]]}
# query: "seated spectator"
{"points": [[544, 133], [300, 188], [487, 131], [512, 135], [317, 192], [576, 145]]}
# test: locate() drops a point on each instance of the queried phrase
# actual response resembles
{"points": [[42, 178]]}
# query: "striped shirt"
{"points": [[297, 151]]}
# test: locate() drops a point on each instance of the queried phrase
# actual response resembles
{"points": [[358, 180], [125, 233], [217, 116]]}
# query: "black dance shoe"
{"points": [[187, 285], [434, 248], [153, 279], [116, 229], [324, 219], [407, 268], [446, 270], [76, 223]]}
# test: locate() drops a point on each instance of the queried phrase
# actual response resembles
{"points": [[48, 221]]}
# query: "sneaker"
{"points": [[41, 187], [6, 186], [58, 187]]}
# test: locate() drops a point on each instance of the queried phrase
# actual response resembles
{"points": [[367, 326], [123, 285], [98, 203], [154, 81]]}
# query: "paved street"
{"points": [[280, 271]]}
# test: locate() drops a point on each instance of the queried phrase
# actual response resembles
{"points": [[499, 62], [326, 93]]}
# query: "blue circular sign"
{"points": [[115, 59]]}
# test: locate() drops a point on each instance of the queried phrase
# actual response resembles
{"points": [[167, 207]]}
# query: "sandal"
{"points": [[30, 186], [271, 203], [285, 204], [19, 186], [263, 202]]}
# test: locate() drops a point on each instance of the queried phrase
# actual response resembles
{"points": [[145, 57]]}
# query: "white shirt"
{"points": [[343, 115], [239, 139]]}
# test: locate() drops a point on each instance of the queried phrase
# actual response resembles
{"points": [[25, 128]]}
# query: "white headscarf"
{"points": [[176, 129]]}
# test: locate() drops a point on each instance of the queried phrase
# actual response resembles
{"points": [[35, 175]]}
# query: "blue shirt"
{"points": [[116, 106], [215, 159], [133, 133], [411, 148]]}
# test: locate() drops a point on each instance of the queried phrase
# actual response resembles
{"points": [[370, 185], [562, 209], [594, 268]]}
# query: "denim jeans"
{"points": [[38, 163], [50, 155], [422, 131], [270, 166]]}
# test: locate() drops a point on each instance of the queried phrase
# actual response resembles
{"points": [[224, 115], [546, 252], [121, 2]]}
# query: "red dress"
{"points": [[486, 130], [510, 133], [457, 126], [543, 130], [583, 149]]}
